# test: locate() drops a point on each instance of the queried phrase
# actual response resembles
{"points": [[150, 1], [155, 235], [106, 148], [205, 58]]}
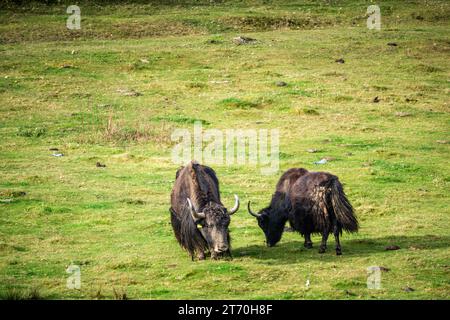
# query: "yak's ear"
{"points": [[178, 172]]}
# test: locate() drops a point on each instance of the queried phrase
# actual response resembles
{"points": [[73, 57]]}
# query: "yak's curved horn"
{"points": [[195, 215], [236, 205], [251, 212]]}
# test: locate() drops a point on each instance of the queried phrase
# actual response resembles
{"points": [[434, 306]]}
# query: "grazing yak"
{"points": [[199, 219], [313, 202]]}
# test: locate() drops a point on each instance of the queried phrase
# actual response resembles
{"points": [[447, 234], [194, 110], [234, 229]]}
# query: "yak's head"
{"points": [[213, 222], [272, 222]]}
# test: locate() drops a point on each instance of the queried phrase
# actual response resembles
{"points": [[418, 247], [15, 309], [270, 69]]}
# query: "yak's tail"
{"points": [[342, 208]]}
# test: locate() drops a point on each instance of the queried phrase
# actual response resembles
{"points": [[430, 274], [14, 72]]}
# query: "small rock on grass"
{"points": [[281, 84], [408, 289], [324, 160], [442, 141], [349, 293], [213, 41], [129, 93], [393, 247], [312, 150], [340, 60], [321, 161], [16, 194], [392, 44], [243, 40], [403, 114], [376, 99], [100, 165]]}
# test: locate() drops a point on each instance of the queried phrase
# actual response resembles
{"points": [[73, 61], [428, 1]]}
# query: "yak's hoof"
{"points": [[322, 250], [308, 245], [338, 252]]}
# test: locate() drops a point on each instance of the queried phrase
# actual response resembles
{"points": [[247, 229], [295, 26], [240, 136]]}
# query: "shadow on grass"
{"points": [[293, 251]]}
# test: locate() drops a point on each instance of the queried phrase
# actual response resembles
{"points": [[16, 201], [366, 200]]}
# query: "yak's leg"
{"points": [[336, 232], [323, 244], [308, 243]]}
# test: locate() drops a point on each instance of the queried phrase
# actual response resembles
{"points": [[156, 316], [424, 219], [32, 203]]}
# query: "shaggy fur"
{"points": [[187, 234], [288, 178], [314, 203], [317, 201], [273, 218], [200, 184]]}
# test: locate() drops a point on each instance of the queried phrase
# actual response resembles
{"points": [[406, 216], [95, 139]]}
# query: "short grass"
{"points": [[75, 91]]}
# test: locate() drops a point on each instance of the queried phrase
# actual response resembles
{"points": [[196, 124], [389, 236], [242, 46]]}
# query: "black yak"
{"points": [[273, 218], [199, 219], [313, 202]]}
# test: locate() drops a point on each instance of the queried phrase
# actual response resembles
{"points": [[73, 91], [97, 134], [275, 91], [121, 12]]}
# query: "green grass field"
{"points": [[64, 89]]}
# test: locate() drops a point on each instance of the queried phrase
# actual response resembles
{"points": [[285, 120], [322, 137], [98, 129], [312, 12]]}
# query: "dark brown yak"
{"points": [[313, 202], [199, 220]]}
